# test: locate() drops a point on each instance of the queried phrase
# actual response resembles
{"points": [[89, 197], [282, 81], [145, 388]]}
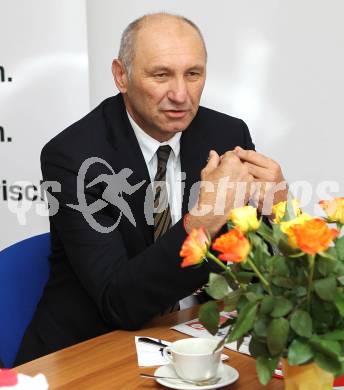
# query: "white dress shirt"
{"points": [[149, 147]]}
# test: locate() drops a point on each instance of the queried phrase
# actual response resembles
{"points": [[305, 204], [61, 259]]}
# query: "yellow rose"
{"points": [[334, 209], [279, 210], [287, 226], [245, 218]]}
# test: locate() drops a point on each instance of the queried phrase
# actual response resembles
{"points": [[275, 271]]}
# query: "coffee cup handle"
{"points": [[167, 354]]}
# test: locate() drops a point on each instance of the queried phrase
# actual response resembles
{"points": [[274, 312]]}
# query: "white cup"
{"points": [[194, 358]]}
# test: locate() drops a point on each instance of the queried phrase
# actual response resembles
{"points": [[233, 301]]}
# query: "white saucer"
{"points": [[228, 375]]}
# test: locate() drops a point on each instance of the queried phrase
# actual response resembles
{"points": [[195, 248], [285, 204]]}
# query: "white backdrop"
{"points": [[43, 51], [276, 64]]}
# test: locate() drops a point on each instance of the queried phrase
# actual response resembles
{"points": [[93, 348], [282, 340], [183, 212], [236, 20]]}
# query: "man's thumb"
{"points": [[213, 161]]}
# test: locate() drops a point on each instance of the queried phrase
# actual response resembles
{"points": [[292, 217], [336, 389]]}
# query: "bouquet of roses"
{"points": [[285, 281]]}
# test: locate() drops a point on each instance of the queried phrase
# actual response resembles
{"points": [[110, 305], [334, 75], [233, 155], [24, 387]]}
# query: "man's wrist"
{"points": [[211, 223]]}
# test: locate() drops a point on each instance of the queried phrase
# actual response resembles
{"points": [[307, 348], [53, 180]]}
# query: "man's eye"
{"points": [[194, 74], [160, 75]]}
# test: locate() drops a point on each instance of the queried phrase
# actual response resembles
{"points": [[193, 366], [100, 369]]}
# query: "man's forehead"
{"points": [[168, 45]]}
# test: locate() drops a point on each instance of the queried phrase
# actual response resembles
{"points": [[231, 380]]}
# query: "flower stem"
{"points": [[227, 269], [216, 260], [260, 275], [311, 259]]}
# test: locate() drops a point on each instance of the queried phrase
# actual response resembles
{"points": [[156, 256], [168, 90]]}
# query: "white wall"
{"points": [[276, 64], [43, 49]]}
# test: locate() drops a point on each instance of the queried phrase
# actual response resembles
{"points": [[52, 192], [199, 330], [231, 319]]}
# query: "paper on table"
{"points": [[150, 354]]}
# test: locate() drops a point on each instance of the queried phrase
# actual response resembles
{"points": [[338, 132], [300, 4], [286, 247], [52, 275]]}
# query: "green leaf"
{"points": [[256, 241], [337, 335], [231, 300], [281, 281], [323, 315], [252, 297], [325, 266], [339, 266], [340, 248], [300, 291], [265, 368], [326, 288], [209, 316], [256, 288], [299, 352], [244, 276], [266, 233], [289, 211], [328, 256], [278, 235], [301, 323], [267, 305], [282, 306], [260, 327], [339, 302], [230, 225], [239, 342], [280, 267], [277, 335], [217, 286], [257, 348], [341, 280], [245, 321], [261, 254], [329, 348], [327, 363]]}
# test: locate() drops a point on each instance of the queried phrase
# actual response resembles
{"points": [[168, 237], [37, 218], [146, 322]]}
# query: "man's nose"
{"points": [[178, 91]]}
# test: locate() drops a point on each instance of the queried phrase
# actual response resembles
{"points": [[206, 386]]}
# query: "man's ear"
{"points": [[120, 75]]}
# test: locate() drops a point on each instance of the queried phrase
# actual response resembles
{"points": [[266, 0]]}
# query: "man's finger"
{"points": [[213, 161], [252, 157], [259, 173]]}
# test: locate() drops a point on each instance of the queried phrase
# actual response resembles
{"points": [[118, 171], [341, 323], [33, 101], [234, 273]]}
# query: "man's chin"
{"points": [[175, 129], [175, 126]]}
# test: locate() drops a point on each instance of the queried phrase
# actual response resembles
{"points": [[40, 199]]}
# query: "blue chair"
{"points": [[24, 271]]}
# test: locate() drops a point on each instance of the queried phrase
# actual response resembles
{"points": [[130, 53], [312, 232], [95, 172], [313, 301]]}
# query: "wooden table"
{"points": [[109, 362]]}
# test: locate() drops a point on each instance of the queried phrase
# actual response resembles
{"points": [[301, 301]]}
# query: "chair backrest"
{"points": [[24, 271]]}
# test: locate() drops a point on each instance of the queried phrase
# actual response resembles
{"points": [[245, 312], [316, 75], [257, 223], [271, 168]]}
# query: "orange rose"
{"points": [[233, 245], [334, 209], [286, 227], [314, 236], [195, 247]]}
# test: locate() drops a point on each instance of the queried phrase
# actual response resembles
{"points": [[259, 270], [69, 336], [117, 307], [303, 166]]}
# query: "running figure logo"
{"points": [[117, 184]]}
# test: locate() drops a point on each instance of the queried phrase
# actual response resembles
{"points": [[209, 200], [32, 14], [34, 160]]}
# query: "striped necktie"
{"points": [[162, 214]]}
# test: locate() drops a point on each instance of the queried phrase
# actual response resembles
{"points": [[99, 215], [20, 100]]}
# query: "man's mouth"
{"points": [[175, 113]]}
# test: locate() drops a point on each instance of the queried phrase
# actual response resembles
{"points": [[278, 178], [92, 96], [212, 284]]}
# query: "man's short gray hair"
{"points": [[126, 50]]}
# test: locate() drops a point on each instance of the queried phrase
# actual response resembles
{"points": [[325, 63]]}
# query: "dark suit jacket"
{"points": [[101, 282]]}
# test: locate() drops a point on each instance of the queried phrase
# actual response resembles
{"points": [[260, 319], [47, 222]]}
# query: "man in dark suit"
{"points": [[104, 278]]}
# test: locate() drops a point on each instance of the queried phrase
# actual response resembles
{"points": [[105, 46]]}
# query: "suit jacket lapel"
{"points": [[129, 155]]}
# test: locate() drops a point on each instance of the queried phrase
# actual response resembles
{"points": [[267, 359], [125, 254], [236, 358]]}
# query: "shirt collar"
{"points": [[150, 145]]}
